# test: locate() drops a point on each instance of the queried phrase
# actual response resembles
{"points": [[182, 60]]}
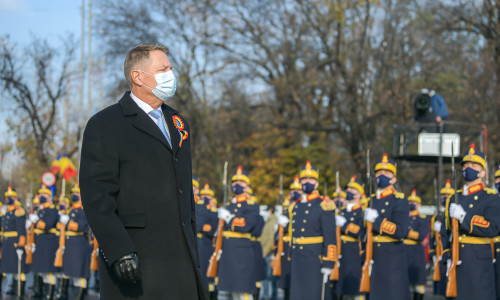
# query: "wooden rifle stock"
{"points": [[29, 245], [58, 261], [213, 263], [94, 266], [276, 264], [365, 271], [451, 285], [436, 276], [336, 270]]}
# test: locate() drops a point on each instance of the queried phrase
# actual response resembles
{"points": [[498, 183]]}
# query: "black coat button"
{"points": [[180, 191]]}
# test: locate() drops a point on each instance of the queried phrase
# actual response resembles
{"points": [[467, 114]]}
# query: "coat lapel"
{"points": [[174, 132], [142, 121]]}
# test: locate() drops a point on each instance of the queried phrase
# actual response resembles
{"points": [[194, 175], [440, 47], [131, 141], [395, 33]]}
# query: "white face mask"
{"points": [[166, 84]]}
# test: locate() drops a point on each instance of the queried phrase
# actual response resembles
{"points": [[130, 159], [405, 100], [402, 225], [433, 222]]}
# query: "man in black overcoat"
{"points": [[135, 179]]}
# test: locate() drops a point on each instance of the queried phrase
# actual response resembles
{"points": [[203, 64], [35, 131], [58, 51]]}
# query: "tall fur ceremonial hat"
{"points": [[10, 192], [309, 171], [357, 184], [295, 185], [241, 175], [447, 189], [474, 156], [386, 163], [414, 197], [196, 183], [44, 190], [75, 188], [207, 190]]}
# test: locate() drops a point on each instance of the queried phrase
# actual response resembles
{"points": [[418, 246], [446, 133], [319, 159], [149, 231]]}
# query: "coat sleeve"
{"points": [[486, 224], [99, 183], [329, 238], [397, 226]]}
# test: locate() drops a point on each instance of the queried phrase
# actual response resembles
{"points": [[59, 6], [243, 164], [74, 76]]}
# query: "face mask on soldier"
{"points": [[383, 181], [308, 187], [470, 174], [238, 189]]}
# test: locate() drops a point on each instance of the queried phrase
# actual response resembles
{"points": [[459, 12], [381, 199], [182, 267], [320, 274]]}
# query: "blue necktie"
{"points": [[159, 121]]}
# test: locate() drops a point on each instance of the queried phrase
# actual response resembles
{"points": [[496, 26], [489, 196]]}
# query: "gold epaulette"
{"points": [[399, 195], [251, 202], [423, 216], [328, 205], [490, 190], [20, 212], [213, 209], [200, 202]]}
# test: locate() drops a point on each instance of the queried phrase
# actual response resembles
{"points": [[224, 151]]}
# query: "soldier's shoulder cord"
{"points": [[20, 212], [490, 191], [399, 195], [328, 205]]}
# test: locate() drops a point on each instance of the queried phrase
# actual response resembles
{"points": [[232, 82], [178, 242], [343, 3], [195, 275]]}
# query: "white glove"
{"points": [[219, 255], [283, 220], [28, 224], [19, 253], [64, 219], [224, 214], [371, 215], [340, 220], [34, 218], [448, 265], [370, 267], [326, 274], [457, 212], [434, 260], [33, 248], [437, 226]]}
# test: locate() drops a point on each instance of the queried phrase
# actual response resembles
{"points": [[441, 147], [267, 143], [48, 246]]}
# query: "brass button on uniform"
{"points": [[382, 211]]}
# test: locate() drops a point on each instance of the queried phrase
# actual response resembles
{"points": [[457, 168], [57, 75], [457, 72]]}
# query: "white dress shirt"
{"points": [[147, 109]]}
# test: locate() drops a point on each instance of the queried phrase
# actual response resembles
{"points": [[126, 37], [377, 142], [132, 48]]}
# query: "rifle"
{"points": [[336, 269], [30, 240], [436, 276], [451, 285], [365, 277], [94, 266], [58, 261], [276, 265], [213, 263]]}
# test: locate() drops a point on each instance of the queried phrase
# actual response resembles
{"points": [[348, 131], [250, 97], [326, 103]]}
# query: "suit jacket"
{"points": [[138, 197]]}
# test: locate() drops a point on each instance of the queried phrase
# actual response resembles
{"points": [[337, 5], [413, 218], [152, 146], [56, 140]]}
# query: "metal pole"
{"points": [[89, 62], [440, 159], [82, 84]]}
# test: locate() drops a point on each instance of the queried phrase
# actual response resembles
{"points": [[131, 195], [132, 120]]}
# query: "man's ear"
{"points": [[316, 184], [482, 173], [134, 75], [393, 180]]}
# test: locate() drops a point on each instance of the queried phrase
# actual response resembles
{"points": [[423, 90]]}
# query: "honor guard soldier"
{"points": [[314, 250], [46, 242], [339, 198], [390, 219], [418, 230], [496, 240], [350, 220], [283, 220], [479, 222], [437, 254], [206, 225], [196, 189], [236, 270], [77, 249], [260, 263], [14, 240]]}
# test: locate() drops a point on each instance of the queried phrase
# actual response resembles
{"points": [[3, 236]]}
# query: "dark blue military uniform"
{"points": [[206, 225], [313, 245], [14, 237], [77, 251], [419, 228], [439, 286], [350, 260], [284, 279], [476, 273], [46, 239], [389, 276], [236, 270], [260, 263]]}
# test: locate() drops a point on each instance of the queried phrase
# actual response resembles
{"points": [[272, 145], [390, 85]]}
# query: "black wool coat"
{"points": [[138, 197]]}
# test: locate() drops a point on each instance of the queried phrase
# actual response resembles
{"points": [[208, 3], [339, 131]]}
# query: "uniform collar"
{"points": [[241, 198], [311, 196], [352, 207], [469, 190], [11, 207], [46, 204], [414, 213], [77, 205], [385, 193]]}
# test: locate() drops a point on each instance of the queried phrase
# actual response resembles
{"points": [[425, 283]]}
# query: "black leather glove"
{"points": [[127, 268]]}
